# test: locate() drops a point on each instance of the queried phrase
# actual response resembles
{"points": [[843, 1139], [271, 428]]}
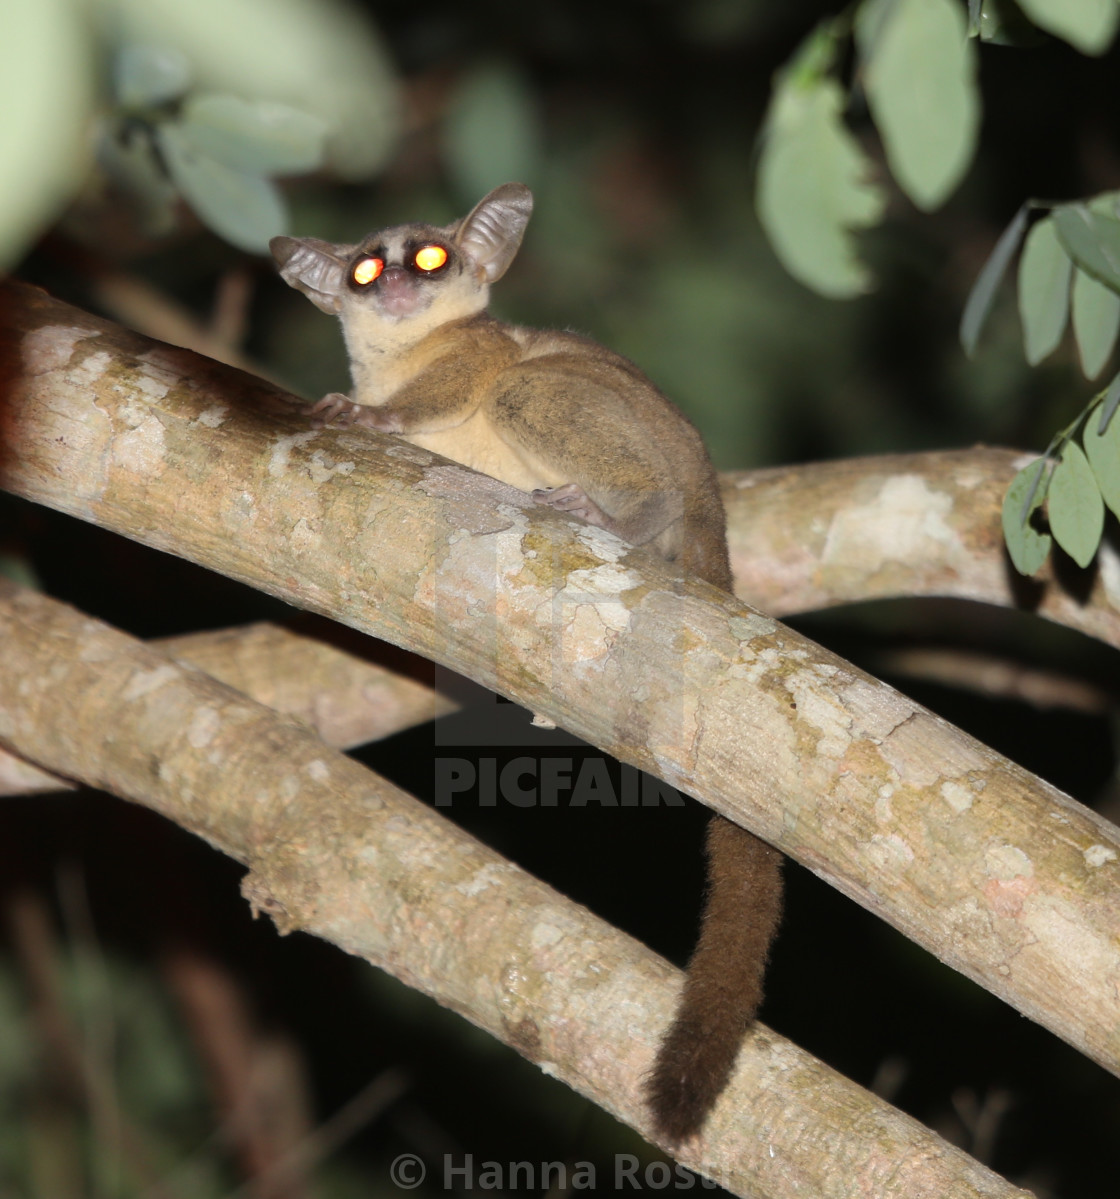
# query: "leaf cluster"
{"points": [[916, 69], [207, 102], [1075, 481], [1069, 273], [916, 64], [219, 152]]}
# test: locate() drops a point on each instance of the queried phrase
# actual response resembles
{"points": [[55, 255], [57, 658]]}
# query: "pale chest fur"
{"points": [[384, 359], [385, 355]]}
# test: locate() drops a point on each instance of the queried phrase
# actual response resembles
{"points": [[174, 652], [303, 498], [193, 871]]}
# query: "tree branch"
{"points": [[810, 537], [345, 699], [336, 850], [993, 870]]}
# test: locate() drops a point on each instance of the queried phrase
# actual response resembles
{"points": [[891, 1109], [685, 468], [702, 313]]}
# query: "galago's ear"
{"points": [[317, 268], [491, 233]]}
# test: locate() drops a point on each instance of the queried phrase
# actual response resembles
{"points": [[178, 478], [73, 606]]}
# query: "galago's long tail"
{"points": [[723, 987]]}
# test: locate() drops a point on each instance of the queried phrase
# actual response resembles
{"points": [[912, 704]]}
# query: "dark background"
{"points": [[645, 117]]}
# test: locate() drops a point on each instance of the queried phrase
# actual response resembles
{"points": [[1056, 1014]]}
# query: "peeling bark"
{"points": [[337, 851]]}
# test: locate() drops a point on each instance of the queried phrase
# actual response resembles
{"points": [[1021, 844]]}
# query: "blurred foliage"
{"points": [[814, 182], [206, 101], [53, 1140], [46, 90], [638, 140], [638, 123], [916, 67], [319, 56], [917, 70]]}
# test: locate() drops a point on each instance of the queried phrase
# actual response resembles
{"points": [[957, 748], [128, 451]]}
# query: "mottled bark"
{"points": [[809, 537], [345, 699], [993, 870], [337, 851]]}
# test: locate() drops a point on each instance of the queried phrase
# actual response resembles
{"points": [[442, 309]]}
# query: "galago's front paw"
{"points": [[334, 409], [340, 412], [572, 499]]}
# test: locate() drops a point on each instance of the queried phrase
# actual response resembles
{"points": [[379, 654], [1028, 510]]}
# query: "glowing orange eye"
{"points": [[367, 270], [430, 258]]}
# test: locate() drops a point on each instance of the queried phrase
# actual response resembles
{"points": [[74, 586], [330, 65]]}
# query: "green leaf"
{"points": [[1096, 322], [243, 208], [1109, 405], [814, 187], [1088, 25], [1045, 272], [493, 131], [870, 21], [1075, 508], [146, 76], [1105, 204], [982, 296], [320, 56], [46, 103], [1092, 240], [256, 136], [1103, 452], [816, 54], [921, 88], [1036, 492], [1028, 548]]}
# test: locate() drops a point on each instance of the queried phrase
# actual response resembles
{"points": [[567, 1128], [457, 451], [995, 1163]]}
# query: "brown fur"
{"points": [[723, 986], [586, 432]]}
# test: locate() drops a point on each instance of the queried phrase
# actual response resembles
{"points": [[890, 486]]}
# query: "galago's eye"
{"points": [[430, 258], [366, 270]]}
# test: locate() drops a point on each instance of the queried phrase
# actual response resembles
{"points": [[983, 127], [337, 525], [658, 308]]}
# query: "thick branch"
{"points": [[996, 872], [345, 699], [810, 537], [337, 851]]}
